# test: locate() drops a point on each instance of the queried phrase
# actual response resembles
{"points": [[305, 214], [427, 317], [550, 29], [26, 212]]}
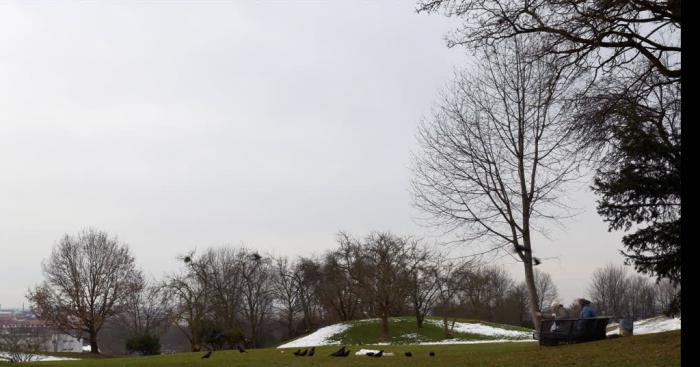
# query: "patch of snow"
{"points": [[650, 326], [319, 337], [481, 329], [52, 358], [462, 341], [87, 348], [411, 336], [41, 358], [363, 352]]}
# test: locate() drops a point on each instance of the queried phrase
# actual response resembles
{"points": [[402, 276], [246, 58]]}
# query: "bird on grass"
{"points": [[207, 355], [304, 352], [347, 353], [240, 348], [312, 352], [408, 354], [339, 353], [432, 354], [297, 352], [369, 354], [379, 354]]}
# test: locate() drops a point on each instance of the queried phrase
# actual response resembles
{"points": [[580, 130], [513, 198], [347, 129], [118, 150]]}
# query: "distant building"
{"points": [[53, 340]]}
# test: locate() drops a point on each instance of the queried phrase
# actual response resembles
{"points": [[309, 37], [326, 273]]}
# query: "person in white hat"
{"points": [[556, 311]]}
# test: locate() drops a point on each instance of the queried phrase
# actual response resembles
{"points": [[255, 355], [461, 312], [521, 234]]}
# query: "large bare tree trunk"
{"points": [[532, 290], [93, 342], [384, 321]]}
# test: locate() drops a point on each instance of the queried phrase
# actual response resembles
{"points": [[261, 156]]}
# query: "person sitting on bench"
{"points": [[587, 312], [556, 312]]}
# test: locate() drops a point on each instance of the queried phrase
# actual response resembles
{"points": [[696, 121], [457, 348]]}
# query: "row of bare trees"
{"points": [[249, 296], [226, 296], [618, 292]]}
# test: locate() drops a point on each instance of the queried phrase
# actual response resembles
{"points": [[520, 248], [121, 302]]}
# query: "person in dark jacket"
{"points": [[587, 312], [586, 309]]}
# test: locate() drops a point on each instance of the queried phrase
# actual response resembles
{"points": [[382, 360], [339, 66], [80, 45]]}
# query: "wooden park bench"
{"points": [[566, 331]]}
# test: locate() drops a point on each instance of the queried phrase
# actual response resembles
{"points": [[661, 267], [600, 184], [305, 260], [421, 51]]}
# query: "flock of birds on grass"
{"points": [[342, 352]]}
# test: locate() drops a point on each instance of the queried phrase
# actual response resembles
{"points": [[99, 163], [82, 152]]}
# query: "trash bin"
{"points": [[626, 327]]}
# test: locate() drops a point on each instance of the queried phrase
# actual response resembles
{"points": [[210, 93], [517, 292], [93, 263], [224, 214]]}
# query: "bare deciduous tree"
{"points": [[451, 278], [609, 290], [592, 34], [339, 291], [257, 277], [148, 311], [629, 114], [546, 289], [423, 286], [286, 293], [665, 297], [484, 289], [640, 301], [88, 279], [309, 278], [382, 272], [190, 291], [224, 278], [497, 152]]}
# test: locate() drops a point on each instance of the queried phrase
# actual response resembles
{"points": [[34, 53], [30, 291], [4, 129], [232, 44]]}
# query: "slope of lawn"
{"points": [[403, 330], [662, 349]]}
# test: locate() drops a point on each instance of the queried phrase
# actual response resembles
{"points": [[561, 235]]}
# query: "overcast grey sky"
{"points": [[195, 124]]}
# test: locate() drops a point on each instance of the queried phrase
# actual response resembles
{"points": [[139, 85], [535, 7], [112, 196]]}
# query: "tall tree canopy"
{"points": [[88, 279], [497, 152], [630, 51]]}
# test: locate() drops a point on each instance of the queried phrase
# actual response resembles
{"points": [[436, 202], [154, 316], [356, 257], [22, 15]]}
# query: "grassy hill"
{"points": [[403, 330], [662, 349]]}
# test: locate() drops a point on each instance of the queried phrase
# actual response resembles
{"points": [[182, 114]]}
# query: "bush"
{"points": [[145, 344]]}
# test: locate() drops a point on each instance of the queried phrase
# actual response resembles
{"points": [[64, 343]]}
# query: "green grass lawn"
{"points": [[661, 349]]}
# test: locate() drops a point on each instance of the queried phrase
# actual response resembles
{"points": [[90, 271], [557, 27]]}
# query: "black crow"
{"points": [[304, 352], [432, 354], [536, 261], [381, 353], [255, 256], [408, 354], [240, 348], [347, 353], [297, 352], [312, 351], [369, 354], [207, 355], [521, 248], [339, 353]]}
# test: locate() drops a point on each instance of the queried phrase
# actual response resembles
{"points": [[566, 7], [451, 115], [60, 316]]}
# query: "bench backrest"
{"points": [[580, 329]]}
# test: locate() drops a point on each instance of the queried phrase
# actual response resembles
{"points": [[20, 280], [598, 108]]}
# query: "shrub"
{"points": [[145, 344]]}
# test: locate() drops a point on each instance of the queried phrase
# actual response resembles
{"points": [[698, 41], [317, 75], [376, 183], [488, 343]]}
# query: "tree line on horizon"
{"points": [[229, 296]]}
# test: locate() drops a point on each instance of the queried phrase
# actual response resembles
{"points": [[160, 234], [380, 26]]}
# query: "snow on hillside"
{"points": [[319, 337], [323, 335], [650, 326], [481, 329], [461, 341]]}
